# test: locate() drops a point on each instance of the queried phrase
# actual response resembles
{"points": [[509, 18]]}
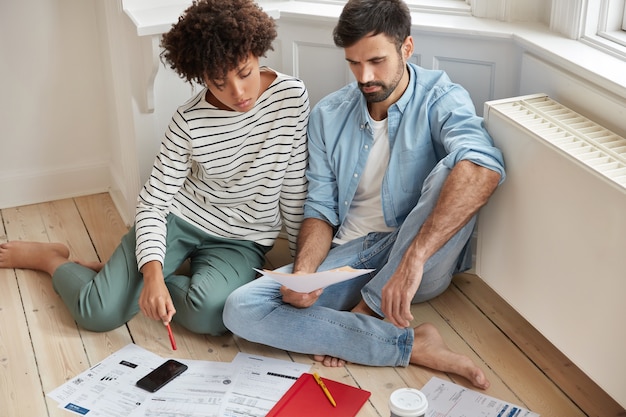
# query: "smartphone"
{"points": [[161, 375]]}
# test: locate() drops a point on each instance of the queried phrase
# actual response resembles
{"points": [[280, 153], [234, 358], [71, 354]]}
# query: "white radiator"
{"points": [[552, 239]]}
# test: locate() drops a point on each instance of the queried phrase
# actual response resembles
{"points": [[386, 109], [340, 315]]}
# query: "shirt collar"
{"points": [[404, 100]]}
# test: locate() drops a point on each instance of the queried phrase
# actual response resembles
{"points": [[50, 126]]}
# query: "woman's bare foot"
{"points": [[40, 256], [430, 350]]}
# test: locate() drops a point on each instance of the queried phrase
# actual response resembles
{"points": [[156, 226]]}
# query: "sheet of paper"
{"points": [[107, 389], [447, 399], [310, 282], [197, 392], [260, 383]]}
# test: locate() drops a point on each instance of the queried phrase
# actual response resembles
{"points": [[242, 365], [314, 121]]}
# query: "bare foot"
{"points": [[95, 266], [329, 361], [40, 256], [430, 350]]}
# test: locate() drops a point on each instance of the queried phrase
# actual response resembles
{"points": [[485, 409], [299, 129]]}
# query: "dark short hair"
{"points": [[212, 37], [361, 18]]}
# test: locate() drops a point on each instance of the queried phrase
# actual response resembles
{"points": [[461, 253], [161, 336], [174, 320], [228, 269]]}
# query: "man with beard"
{"points": [[399, 165]]}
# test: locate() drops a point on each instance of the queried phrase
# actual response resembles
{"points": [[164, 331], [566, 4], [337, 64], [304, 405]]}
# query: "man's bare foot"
{"points": [[430, 350], [40, 256], [95, 266], [329, 361]]}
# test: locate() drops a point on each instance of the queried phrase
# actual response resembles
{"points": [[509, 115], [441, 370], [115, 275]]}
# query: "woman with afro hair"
{"points": [[228, 176]]}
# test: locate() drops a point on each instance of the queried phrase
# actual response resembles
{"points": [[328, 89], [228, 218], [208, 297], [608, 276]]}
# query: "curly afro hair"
{"points": [[212, 37]]}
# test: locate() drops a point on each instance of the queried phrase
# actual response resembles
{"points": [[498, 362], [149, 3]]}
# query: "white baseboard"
{"points": [[38, 187]]}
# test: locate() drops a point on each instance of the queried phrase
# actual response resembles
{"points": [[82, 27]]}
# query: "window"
{"points": [[604, 25], [436, 6]]}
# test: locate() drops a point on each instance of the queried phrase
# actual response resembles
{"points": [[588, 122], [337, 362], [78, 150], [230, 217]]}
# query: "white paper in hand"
{"points": [[306, 283]]}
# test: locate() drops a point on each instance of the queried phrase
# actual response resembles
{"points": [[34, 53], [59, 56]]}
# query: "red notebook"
{"points": [[305, 398]]}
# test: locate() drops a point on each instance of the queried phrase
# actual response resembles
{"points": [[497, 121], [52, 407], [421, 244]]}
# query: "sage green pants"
{"points": [[106, 300]]}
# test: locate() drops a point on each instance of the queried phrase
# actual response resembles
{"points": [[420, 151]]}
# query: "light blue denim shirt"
{"points": [[434, 120]]}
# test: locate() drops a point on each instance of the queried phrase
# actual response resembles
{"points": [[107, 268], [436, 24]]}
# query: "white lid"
{"points": [[408, 402]]}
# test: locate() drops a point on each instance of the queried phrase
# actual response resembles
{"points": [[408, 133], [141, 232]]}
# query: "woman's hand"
{"points": [[155, 301]]}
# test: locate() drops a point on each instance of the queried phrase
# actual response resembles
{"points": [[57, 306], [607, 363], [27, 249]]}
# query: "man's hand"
{"points": [[466, 189], [299, 299], [398, 293], [155, 300]]}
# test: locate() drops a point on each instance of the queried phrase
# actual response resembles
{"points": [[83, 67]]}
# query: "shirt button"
{"points": [[345, 203], [367, 146], [356, 175]]}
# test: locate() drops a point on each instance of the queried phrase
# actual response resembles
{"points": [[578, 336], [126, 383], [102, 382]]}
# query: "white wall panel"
{"points": [[488, 69], [477, 77], [309, 53], [322, 68]]}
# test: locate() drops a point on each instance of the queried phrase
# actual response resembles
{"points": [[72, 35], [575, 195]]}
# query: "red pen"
{"points": [[171, 335]]}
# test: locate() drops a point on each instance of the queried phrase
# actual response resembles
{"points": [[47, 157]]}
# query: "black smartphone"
{"points": [[161, 375]]}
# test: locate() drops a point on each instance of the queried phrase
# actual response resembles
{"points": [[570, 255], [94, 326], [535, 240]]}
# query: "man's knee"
{"points": [[235, 312]]}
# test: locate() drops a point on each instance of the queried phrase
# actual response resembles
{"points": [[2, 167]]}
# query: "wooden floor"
{"points": [[41, 347]]}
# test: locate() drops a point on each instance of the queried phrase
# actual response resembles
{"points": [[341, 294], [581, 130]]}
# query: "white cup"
{"points": [[408, 402]]}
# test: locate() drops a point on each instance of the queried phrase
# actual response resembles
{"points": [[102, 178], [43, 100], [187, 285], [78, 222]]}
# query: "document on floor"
{"points": [[108, 389], [198, 392], [260, 383], [310, 282], [447, 399]]}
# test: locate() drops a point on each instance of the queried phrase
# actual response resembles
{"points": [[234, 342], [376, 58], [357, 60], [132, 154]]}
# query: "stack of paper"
{"points": [[250, 385]]}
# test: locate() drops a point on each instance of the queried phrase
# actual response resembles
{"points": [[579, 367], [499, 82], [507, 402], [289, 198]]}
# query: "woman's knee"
{"points": [[100, 322], [210, 323]]}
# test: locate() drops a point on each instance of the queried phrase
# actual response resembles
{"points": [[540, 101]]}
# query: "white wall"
{"points": [[53, 106]]}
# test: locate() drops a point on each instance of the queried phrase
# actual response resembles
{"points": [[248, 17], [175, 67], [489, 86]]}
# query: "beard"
{"points": [[386, 89]]}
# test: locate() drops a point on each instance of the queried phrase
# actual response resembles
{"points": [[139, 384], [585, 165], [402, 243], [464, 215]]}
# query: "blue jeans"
{"points": [[257, 313]]}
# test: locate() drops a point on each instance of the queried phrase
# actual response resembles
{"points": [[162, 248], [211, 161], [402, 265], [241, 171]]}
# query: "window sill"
{"points": [[579, 57], [426, 6]]}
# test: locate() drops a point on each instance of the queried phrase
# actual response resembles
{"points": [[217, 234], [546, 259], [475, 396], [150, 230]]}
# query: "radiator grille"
{"points": [[593, 145]]}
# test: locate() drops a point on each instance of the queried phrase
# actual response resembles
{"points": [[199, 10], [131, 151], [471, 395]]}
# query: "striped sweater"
{"points": [[234, 175]]}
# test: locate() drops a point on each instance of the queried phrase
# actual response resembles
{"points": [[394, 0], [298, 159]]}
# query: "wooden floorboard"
{"points": [[55, 338], [554, 364], [41, 347], [20, 385], [503, 357]]}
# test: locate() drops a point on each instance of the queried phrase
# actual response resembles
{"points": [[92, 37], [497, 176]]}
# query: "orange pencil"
{"points": [[171, 335]]}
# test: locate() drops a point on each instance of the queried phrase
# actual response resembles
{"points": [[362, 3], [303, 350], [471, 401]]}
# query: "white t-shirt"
{"points": [[366, 211]]}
